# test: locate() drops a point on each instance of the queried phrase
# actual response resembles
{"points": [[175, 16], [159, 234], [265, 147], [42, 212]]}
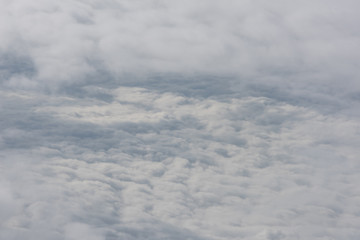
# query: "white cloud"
{"points": [[179, 120], [70, 41], [155, 165]]}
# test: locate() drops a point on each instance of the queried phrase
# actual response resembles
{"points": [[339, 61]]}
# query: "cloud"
{"points": [[71, 41], [166, 120], [78, 230], [159, 165]]}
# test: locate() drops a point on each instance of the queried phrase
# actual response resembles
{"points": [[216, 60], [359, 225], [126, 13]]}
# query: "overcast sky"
{"points": [[154, 119]]}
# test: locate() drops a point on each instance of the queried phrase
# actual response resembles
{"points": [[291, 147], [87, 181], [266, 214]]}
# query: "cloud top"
{"points": [[163, 119], [62, 42]]}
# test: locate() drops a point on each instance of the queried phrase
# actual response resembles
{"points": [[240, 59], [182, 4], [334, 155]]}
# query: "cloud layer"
{"points": [[51, 43], [158, 166], [168, 120]]}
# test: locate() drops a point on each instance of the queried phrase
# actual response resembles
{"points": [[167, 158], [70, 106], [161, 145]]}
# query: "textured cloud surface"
{"points": [[52, 42], [179, 120]]}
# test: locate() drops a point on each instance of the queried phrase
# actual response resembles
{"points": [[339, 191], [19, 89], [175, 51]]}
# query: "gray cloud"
{"points": [[168, 120]]}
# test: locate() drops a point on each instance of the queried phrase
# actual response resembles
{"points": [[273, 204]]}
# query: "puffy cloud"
{"points": [[166, 120], [152, 165], [71, 41]]}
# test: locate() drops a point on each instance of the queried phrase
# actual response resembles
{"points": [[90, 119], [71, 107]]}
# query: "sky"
{"points": [[154, 119]]}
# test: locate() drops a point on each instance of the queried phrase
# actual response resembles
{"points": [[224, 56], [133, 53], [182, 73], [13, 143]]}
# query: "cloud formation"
{"points": [[52, 43], [166, 120], [158, 165]]}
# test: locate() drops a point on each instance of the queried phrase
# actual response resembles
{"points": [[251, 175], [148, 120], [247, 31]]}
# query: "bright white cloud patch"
{"points": [[179, 120]]}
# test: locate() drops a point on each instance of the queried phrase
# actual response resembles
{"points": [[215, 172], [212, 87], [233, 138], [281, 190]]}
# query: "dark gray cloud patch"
{"points": [[12, 63]]}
